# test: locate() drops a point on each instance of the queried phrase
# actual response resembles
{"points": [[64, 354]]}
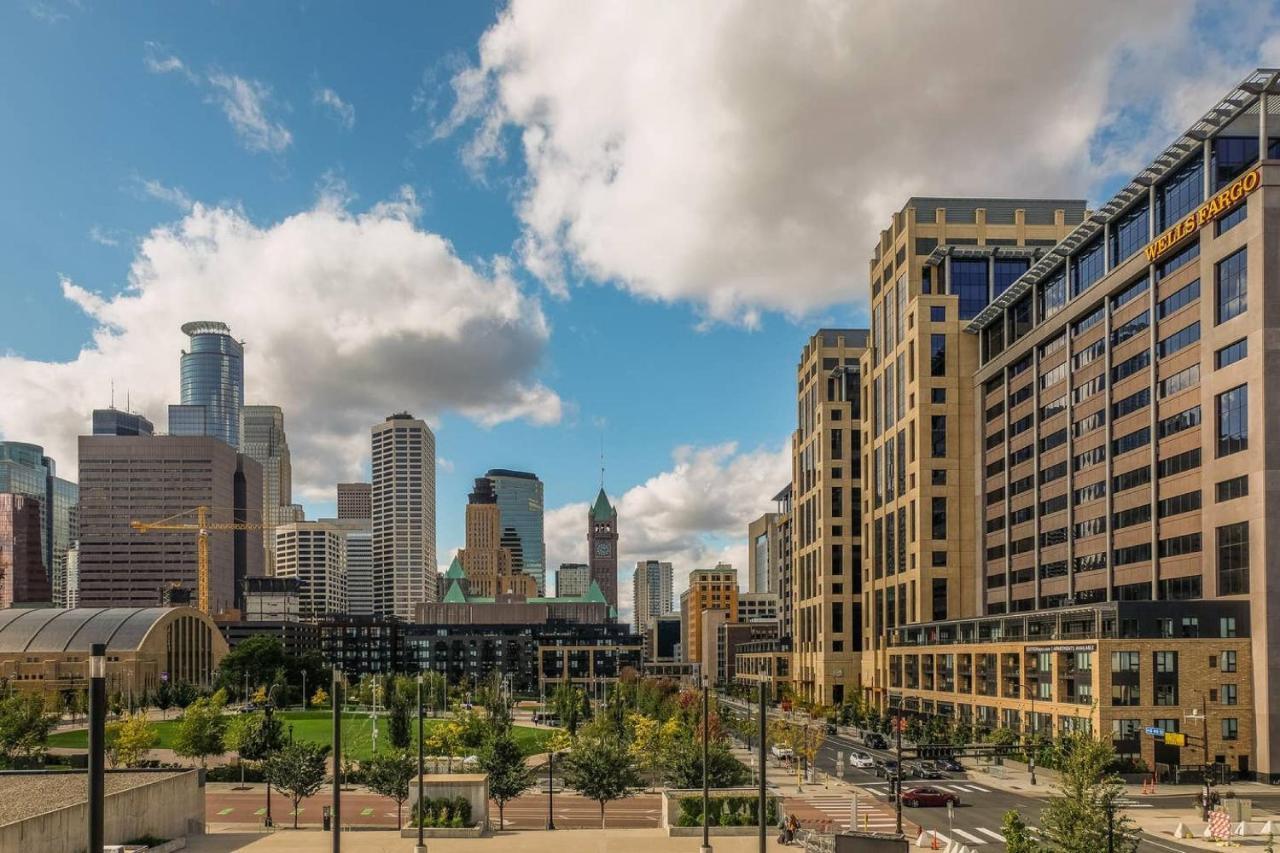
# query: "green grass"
{"points": [[317, 727]]}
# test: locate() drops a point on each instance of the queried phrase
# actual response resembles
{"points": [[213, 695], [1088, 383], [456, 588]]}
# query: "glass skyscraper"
{"points": [[520, 504], [212, 384], [25, 470]]}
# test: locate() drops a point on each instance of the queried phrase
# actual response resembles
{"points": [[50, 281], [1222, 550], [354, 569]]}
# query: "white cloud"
{"points": [[445, 465], [346, 318], [160, 61], [104, 236], [245, 103], [694, 514], [744, 156], [343, 112], [152, 188]]}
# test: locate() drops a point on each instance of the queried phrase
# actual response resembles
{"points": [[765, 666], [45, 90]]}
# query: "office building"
{"points": [[826, 490], [212, 384], [148, 478], [938, 264], [785, 571], [315, 554], [23, 580], [358, 542], [757, 607], [487, 564], [71, 584], [519, 495], [1121, 501], [732, 638], [662, 639], [355, 500], [112, 421], [25, 470], [403, 512], [652, 595], [602, 546], [271, 599], [764, 553], [709, 589], [573, 579], [265, 442], [709, 647]]}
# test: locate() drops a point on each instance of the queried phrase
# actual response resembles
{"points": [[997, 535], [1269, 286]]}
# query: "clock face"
{"points": [[602, 549]]}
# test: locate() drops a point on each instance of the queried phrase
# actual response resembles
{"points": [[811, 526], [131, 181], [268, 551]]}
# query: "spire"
{"points": [[602, 510], [455, 570], [455, 594]]}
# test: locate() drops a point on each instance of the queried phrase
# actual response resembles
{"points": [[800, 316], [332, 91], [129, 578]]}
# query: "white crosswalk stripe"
{"points": [[995, 835], [970, 837], [979, 789]]}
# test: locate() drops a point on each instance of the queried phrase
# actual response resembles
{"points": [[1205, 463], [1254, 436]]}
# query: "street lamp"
{"points": [[268, 711], [422, 847], [551, 789], [706, 791], [97, 744]]}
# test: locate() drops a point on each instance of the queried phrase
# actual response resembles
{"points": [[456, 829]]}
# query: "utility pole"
{"points": [[97, 745], [337, 760], [897, 773], [551, 789], [761, 758], [706, 798], [422, 847]]}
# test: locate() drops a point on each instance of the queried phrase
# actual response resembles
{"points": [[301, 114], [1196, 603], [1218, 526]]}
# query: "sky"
{"points": [[546, 227]]}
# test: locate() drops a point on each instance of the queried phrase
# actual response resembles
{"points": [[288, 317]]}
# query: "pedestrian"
{"points": [[793, 825]]}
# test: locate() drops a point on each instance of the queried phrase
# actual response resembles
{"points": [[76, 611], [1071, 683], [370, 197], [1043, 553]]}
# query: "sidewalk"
{"points": [[585, 840]]}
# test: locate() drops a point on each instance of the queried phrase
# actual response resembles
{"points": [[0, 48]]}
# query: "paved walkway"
{"points": [[583, 841]]}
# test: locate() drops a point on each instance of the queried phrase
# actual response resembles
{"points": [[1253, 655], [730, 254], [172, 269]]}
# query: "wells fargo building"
{"points": [[1122, 500]]}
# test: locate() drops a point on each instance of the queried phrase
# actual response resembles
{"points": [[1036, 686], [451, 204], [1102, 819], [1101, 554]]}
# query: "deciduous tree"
{"points": [[200, 731], [600, 768], [389, 774], [129, 739], [509, 776], [297, 769], [1084, 816]]}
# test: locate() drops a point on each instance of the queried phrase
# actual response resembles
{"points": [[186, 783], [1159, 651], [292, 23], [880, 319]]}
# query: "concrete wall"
{"points": [[473, 786], [170, 807]]}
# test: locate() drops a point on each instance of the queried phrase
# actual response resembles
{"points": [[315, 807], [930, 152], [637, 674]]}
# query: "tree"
{"points": [[200, 731], [320, 698], [389, 774], [1080, 818], [398, 722], [253, 737], [1017, 837], [164, 698], [567, 704], [650, 741], [509, 776], [24, 727], [600, 769], [683, 764], [130, 739], [184, 693], [297, 769]]}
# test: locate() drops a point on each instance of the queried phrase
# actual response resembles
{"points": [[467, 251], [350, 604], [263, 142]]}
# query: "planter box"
{"points": [[476, 831], [730, 831]]}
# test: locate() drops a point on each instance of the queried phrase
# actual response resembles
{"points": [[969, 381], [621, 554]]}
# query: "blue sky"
{"points": [[648, 231]]}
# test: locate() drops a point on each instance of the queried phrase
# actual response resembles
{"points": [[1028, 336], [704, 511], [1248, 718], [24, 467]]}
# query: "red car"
{"points": [[913, 797]]}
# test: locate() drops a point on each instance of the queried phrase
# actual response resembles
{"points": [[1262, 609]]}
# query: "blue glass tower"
{"points": [[212, 384], [520, 504]]}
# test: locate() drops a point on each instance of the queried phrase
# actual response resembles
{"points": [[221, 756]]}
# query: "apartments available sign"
{"points": [[1223, 201]]}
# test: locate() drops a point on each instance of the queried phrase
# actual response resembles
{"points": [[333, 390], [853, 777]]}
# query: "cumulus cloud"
{"points": [[346, 317], [744, 156], [694, 514], [340, 110], [245, 102]]}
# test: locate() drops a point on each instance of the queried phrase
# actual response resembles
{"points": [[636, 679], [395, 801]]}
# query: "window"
{"points": [[1178, 463], [1131, 404], [1230, 156], [1229, 490], [938, 477], [1227, 661], [1231, 353], [1049, 442], [1232, 285], [937, 396], [1166, 693], [1052, 505], [1054, 407], [1129, 517], [1130, 293], [1054, 376], [1230, 728], [937, 355], [939, 599], [1131, 365], [1089, 527], [938, 313], [1084, 324], [1167, 268], [1175, 424], [1178, 299], [1129, 232], [1180, 381], [1178, 504], [1130, 327], [1179, 195], [1132, 554], [1233, 420], [1089, 423], [1131, 479], [1089, 458], [1091, 492], [1050, 347], [1227, 626], [969, 282], [1233, 559], [1020, 318], [1087, 266], [1021, 425], [938, 436], [1053, 472], [1085, 390], [1228, 694], [1177, 546], [1166, 663], [939, 518], [1125, 661], [1088, 355], [1231, 220], [1131, 441], [1184, 337]]}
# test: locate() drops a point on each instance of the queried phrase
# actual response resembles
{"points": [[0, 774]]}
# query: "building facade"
{"points": [[602, 545], [403, 507], [271, 599], [23, 580], [314, 554], [757, 607], [709, 589], [355, 500], [25, 470], [939, 263], [573, 579], [764, 548], [148, 478], [826, 488], [112, 421], [486, 562], [212, 384], [358, 542], [520, 504], [652, 596], [785, 570], [264, 441]]}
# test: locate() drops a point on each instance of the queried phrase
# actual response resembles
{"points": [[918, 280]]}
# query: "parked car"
{"points": [[915, 797], [874, 740], [831, 727], [886, 768], [923, 770], [861, 759], [950, 765], [782, 753]]}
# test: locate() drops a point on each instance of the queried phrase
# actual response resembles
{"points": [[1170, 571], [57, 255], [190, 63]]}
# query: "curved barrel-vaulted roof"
{"points": [[52, 631]]}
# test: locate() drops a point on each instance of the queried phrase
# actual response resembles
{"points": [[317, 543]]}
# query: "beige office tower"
{"points": [[940, 261], [315, 553], [486, 562], [262, 438], [826, 540], [651, 588], [403, 508]]}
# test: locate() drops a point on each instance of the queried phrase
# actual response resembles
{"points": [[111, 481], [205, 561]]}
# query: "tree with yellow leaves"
{"points": [[129, 739]]}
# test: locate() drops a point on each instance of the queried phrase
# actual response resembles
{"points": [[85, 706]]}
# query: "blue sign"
{"points": [[1154, 731]]}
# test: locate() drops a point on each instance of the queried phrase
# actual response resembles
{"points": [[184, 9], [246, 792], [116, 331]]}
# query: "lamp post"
{"points": [[267, 711], [764, 712], [422, 847], [97, 744], [336, 697], [897, 771], [706, 790], [304, 690], [551, 789]]}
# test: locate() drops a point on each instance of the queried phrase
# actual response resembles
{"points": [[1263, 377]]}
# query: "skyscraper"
{"points": [[485, 561], [25, 470], [113, 421], [148, 478], [573, 579], [403, 511], [519, 496], [358, 544], [316, 554], [22, 574], [355, 500], [265, 442], [602, 545], [212, 384], [764, 545], [651, 593]]}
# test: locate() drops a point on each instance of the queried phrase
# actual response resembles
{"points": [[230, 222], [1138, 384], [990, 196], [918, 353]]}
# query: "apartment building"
{"points": [[709, 589]]}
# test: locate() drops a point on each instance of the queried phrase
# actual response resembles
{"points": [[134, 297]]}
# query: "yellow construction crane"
{"points": [[202, 527]]}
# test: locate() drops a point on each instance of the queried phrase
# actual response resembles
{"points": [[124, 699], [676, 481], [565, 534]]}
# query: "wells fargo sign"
{"points": [[1227, 198]]}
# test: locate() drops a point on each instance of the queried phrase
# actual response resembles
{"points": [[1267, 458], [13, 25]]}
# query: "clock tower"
{"points": [[602, 546]]}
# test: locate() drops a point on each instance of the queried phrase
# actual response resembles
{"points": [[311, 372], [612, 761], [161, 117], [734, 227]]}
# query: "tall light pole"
{"points": [[97, 744], [337, 759], [422, 847], [764, 712], [551, 789], [706, 790], [267, 712]]}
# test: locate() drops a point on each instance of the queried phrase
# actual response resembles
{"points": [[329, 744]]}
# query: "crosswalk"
{"points": [[974, 835], [883, 789], [839, 808]]}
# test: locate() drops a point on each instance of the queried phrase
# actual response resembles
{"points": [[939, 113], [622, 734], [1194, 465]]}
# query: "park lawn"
{"points": [[317, 727]]}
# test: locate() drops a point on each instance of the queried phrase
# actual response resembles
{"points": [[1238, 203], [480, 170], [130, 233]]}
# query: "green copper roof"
{"points": [[595, 595], [603, 509], [454, 595], [613, 612], [455, 570]]}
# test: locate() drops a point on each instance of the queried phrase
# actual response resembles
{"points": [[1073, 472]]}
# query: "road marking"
{"points": [[979, 789], [997, 836], [366, 812], [968, 836], [260, 812], [227, 811], [959, 789]]}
